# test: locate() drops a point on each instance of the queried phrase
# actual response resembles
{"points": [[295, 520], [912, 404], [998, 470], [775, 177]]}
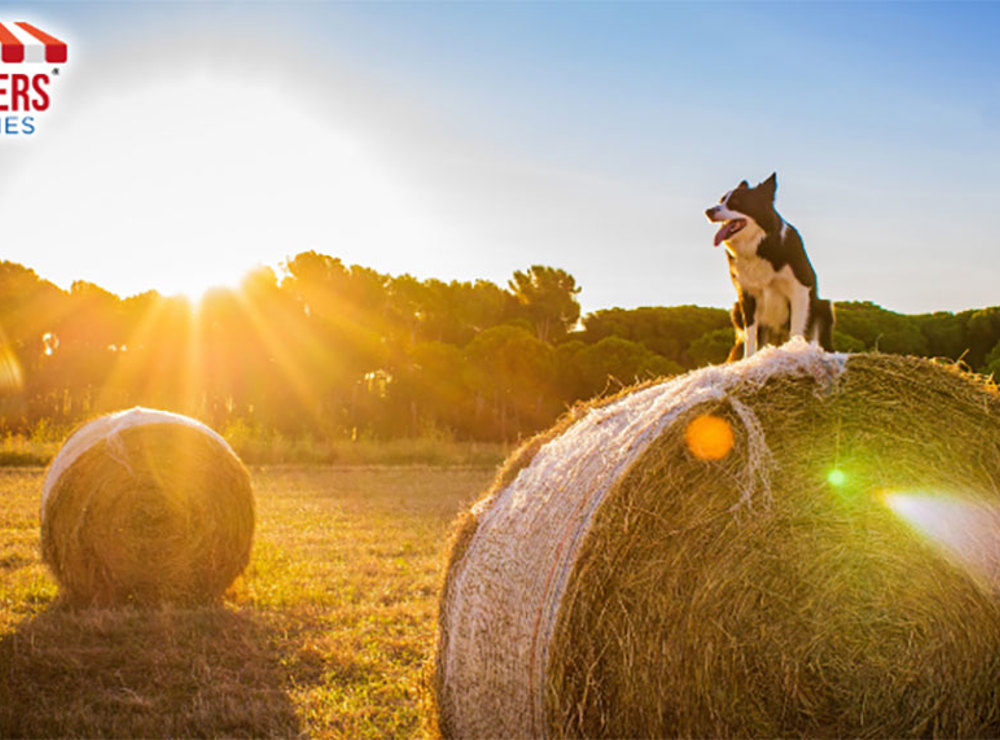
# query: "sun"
{"points": [[196, 286], [186, 181]]}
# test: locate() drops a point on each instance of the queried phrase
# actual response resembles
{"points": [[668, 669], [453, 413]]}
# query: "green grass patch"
{"points": [[269, 447], [22, 450], [330, 632]]}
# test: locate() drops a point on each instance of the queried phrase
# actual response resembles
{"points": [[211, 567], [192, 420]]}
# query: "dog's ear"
{"points": [[770, 185]]}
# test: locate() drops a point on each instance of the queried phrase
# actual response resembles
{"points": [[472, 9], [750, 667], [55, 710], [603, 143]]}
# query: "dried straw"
{"points": [[615, 584], [146, 507]]}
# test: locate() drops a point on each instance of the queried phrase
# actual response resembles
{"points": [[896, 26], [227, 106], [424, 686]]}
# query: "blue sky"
{"points": [[467, 140]]}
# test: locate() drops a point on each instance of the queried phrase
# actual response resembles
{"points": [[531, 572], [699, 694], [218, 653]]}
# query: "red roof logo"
{"points": [[23, 42]]}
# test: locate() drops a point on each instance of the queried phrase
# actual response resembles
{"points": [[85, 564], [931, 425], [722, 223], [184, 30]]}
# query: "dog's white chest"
{"points": [[753, 272]]}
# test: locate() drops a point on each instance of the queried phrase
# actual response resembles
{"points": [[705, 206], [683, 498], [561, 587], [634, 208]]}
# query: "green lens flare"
{"points": [[836, 477]]}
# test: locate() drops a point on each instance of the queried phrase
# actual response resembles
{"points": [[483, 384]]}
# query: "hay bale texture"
{"points": [[614, 583], [146, 507]]}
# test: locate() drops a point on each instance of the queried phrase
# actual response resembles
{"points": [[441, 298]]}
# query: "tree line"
{"points": [[319, 347]]}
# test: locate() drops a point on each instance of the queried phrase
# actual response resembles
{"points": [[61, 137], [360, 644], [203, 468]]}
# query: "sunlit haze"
{"points": [[138, 194]]}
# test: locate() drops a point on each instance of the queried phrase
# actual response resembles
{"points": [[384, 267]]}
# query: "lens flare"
{"points": [[836, 477], [709, 437], [11, 378], [966, 529], [10, 371], [50, 343]]}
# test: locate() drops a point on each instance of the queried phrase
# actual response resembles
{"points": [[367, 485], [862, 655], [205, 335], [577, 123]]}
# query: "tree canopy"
{"points": [[320, 347]]}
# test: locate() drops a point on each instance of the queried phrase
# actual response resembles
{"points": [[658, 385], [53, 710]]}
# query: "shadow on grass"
{"points": [[127, 673]]}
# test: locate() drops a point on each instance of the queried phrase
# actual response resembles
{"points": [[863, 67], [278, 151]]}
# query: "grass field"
{"points": [[330, 632]]}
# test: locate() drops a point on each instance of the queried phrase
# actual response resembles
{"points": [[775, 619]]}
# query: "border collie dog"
{"points": [[775, 283]]}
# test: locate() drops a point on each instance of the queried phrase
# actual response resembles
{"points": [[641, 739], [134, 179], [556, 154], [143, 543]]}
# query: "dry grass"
{"points": [[328, 633]]}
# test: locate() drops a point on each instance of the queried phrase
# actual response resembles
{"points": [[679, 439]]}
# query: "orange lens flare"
{"points": [[709, 437]]}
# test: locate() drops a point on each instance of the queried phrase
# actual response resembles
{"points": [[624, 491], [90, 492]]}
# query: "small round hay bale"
{"points": [[146, 507], [829, 569]]}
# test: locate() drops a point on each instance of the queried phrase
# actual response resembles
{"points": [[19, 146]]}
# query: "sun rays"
{"points": [[249, 352], [11, 378]]}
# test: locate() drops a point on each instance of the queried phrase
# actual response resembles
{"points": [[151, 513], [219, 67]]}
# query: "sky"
{"points": [[188, 142]]}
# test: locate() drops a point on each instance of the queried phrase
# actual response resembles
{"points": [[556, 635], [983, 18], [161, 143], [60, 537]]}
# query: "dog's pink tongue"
{"points": [[728, 229]]}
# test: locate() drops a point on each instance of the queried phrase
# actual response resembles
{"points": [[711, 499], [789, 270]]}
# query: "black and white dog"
{"points": [[775, 283]]}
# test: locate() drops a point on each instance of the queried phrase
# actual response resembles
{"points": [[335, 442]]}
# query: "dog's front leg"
{"points": [[750, 340], [799, 305], [748, 304]]}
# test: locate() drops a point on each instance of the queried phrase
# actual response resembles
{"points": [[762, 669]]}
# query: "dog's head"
{"points": [[744, 212]]}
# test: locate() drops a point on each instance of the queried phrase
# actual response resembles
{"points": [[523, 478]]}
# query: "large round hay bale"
{"points": [[146, 507], [823, 563]]}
